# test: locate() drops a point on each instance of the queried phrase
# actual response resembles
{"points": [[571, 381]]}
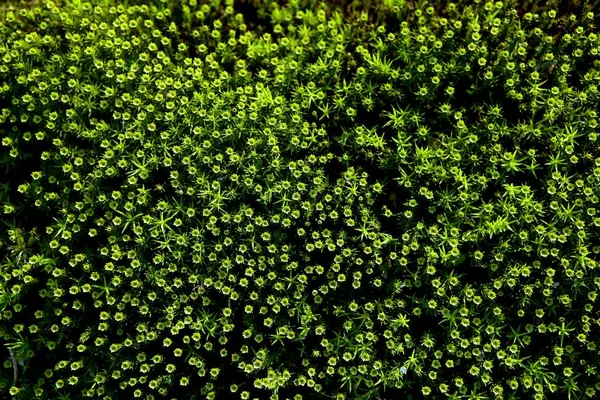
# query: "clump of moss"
{"points": [[329, 201]]}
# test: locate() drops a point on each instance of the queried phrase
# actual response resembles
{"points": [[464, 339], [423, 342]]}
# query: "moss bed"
{"points": [[299, 200]]}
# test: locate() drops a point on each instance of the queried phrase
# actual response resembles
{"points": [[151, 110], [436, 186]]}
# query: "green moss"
{"points": [[303, 200]]}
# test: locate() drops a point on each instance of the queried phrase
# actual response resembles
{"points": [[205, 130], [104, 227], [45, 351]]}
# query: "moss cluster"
{"points": [[258, 200]]}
